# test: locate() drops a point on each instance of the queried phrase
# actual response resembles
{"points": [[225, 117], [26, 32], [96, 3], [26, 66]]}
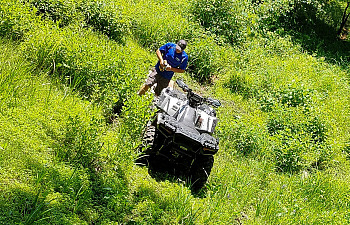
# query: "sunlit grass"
{"points": [[61, 163]]}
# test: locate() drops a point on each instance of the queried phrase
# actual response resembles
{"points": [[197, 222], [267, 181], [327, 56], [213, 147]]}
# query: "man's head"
{"points": [[181, 45]]}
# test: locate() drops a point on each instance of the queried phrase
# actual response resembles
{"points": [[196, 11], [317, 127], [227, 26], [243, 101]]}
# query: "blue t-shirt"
{"points": [[176, 60]]}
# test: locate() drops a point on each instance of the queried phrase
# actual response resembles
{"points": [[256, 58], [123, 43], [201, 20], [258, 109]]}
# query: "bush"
{"points": [[61, 12], [153, 28], [107, 17], [293, 97], [267, 101], [299, 15], [346, 150], [271, 12], [229, 19], [240, 84], [285, 97], [297, 120], [214, 15], [312, 23], [296, 152], [289, 150], [299, 140], [242, 137], [16, 18], [103, 71], [247, 141], [275, 125], [81, 145], [317, 128], [204, 60]]}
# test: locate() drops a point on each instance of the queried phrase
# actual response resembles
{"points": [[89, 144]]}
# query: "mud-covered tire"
{"points": [[200, 171], [148, 146], [150, 139]]}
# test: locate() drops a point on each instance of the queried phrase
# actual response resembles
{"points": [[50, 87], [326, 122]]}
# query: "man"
{"points": [[171, 58]]}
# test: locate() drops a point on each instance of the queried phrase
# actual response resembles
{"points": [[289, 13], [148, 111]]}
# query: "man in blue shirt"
{"points": [[172, 58]]}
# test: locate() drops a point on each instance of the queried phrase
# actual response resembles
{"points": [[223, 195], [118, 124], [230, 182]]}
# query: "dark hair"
{"points": [[182, 44]]}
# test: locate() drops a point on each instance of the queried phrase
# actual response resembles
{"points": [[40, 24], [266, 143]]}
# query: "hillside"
{"points": [[71, 121]]}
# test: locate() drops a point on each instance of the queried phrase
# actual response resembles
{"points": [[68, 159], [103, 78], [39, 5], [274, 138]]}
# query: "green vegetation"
{"points": [[71, 121]]}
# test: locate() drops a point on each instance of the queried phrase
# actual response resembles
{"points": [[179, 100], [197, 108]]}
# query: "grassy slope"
{"points": [[44, 128], [34, 114]]}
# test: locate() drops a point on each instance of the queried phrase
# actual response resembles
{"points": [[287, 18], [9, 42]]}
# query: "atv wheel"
{"points": [[200, 171], [148, 146], [149, 139]]}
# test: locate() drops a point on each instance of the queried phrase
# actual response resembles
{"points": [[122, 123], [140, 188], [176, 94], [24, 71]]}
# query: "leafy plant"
{"points": [[203, 59], [107, 17], [293, 97], [346, 150], [318, 129], [285, 97], [60, 11], [299, 140], [81, 144], [223, 18], [16, 18], [289, 151]]}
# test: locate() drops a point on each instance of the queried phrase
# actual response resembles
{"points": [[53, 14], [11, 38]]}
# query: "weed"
{"points": [[61, 12], [281, 141], [203, 59], [81, 144], [107, 18]]}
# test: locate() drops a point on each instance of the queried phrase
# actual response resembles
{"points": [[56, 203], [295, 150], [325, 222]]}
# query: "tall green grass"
{"points": [[103, 72], [283, 130], [16, 19], [52, 161]]}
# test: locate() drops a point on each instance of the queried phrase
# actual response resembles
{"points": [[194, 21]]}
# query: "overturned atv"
{"points": [[179, 138]]}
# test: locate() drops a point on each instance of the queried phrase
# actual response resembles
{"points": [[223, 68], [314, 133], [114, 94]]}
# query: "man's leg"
{"points": [[143, 89], [150, 81], [161, 84], [171, 84]]}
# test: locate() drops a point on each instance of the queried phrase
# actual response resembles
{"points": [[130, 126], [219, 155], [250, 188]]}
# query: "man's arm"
{"points": [[180, 69], [160, 57], [176, 70]]}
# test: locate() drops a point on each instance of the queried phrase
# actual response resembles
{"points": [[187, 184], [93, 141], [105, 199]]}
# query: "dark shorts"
{"points": [[155, 78]]}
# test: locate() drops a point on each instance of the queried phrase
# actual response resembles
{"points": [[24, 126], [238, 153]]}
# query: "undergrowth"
{"points": [[71, 121]]}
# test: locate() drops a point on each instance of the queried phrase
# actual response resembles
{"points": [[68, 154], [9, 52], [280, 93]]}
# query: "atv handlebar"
{"points": [[214, 102], [196, 99], [183, 85]]}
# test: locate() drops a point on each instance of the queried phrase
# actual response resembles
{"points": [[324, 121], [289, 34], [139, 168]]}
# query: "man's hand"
{"points": [[163, 65], [168, 68]]}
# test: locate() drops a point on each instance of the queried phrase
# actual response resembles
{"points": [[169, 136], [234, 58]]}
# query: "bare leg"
{"points": [[171, 84], [143, 90]]}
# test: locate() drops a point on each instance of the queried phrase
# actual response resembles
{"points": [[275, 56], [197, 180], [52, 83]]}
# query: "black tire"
{"points": [[200, 171], [150, 139], [148, 146]]}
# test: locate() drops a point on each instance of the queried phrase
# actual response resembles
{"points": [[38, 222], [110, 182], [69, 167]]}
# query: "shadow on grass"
{"points": [[316, 36], [27, 202], [325, 44], [60, 193], [161, 169]]}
